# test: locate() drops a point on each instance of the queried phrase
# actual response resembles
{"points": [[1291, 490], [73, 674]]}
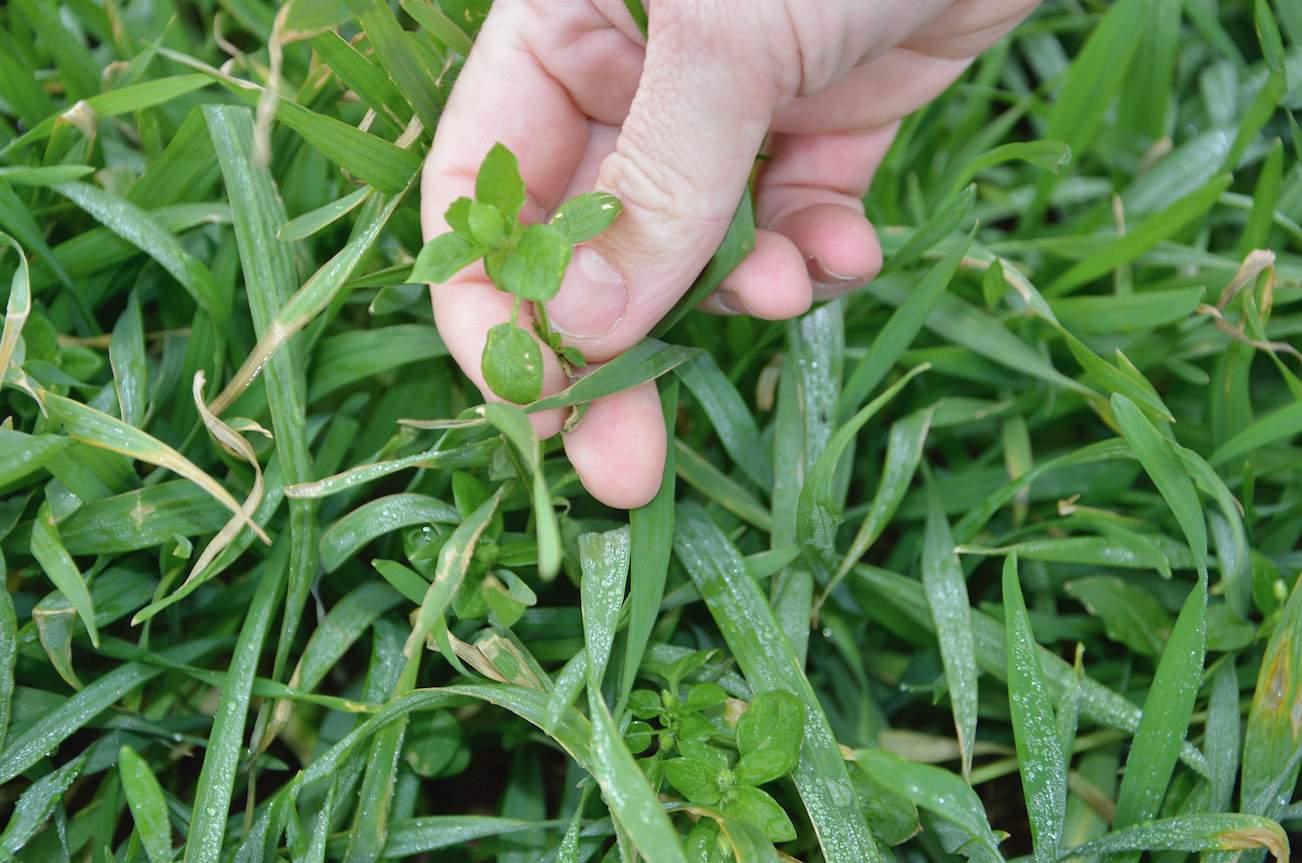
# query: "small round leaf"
{"points": [[512, 364]]}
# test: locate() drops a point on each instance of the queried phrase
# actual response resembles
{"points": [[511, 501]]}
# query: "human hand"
{"points": [[671, 125]]}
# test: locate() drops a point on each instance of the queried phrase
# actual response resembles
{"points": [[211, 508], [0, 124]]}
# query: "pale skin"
{"points": [[671, 125]]}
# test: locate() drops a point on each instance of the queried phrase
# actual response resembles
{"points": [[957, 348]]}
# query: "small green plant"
{"points": [[526, 261], [768, 739]]}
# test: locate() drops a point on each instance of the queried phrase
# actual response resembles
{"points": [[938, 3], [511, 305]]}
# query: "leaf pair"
{"points": [[526, 261]]}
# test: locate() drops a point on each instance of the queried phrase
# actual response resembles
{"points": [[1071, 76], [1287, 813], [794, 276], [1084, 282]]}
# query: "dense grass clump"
{"points": [[995, 557]]}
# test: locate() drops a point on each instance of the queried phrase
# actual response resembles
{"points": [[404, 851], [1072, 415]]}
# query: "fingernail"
{"points": [[731, 302], [820, 275], [592, 298]]}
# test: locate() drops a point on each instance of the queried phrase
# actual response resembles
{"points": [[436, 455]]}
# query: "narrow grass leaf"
{"points": [[1167, 711], [1042, 763], [1091, 85], [138, 228], [315, 221], [731, 418], [1281, 424], [67, 718], [113, 103], [432, 19], [651, 542], [127, 359], [604, 560], [900, 330], [1167, 472], [349, 534], [819, 512], [105, 432], [514, 425], [216, 782], [311, 299], [904, 448], [1156, 228], [946, 588], [645, 361], [147, 804], [964, 324], [879, 587], [60, 568], [17, 308], [940, 792], [36, 804], [8, 656], [1202, 832]]}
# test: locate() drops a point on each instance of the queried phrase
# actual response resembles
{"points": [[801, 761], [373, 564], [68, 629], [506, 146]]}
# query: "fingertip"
{"points": [[770, 283], [838, 244], [618, 448]]}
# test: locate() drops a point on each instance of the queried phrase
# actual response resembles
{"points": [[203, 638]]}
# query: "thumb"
{"points": [[679, 167]]}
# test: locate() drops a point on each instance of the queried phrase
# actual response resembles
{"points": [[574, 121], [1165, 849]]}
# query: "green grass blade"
{"points": [[940, 792], [651, 539], [17, 308], [964, 324], [127, 359], [216, 782], [1092, 83], [946, 588], [8, 656], [1167, 711], [1158, 227], [605, 562], [1286, 422], [367, 157], [1202, 832], [61, 569], [113, 103], [819, 512], [514, 426], [36, 804], [389, 42], [900, 331], [645, 361], [903, 454], [148, 806], [347, 536], [59, 724], [604, 559], [729, 415], [1042, 762], [137, 227], [315, 221], [905, 596], [1222, 740], [1167, 472]]}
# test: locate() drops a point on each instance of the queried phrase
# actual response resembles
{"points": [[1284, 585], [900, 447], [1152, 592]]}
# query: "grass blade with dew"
{"points": [[1167, 711], [946, 589], [1042, 762]]}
